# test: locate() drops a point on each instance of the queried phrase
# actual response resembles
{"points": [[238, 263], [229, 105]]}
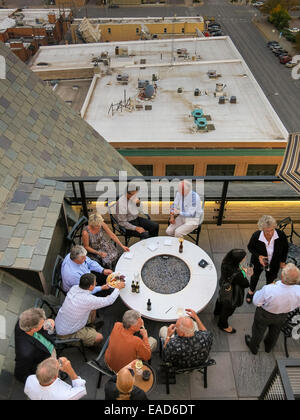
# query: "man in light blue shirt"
{"points": [[75, 264], [274, 302], [186, 212]]}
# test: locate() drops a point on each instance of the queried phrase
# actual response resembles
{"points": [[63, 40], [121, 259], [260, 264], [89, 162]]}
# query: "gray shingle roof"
{"points": [[40, 137]]}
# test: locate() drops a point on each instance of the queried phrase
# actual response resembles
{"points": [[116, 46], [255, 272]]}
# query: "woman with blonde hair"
{"points": [[98, 240], [121, 386], [269, 248]]}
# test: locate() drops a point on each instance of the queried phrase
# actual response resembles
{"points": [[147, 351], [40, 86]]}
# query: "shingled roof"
{"points": [[40, 137]]}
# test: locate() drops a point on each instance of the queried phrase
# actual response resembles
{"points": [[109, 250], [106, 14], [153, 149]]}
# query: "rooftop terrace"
{"points": [[237, 374]]}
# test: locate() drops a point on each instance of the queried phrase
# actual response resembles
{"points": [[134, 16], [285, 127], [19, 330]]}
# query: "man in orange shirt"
{"points": [[124, 346]]}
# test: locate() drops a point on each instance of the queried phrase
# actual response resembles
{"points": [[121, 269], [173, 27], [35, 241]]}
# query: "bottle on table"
{"points": [[149, 305], [137, 287], [133, 287], [181, 245]]}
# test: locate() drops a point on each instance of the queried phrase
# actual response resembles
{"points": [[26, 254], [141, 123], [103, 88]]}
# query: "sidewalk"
{"points": [[272, 34]]}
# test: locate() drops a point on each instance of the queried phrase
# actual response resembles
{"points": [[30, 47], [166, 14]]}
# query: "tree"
{"points": [[298, 41], [269, 5], [279, 17]]}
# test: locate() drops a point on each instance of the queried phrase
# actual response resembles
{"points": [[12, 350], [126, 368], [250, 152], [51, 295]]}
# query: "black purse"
{"points": [[226, 292]]}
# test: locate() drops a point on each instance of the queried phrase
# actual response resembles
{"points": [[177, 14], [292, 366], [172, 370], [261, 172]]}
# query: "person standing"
{"points": [[274, 302], [269, 248], [232, 269]]}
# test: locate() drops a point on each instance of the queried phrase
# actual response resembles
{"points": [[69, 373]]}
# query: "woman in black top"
{"points": [[269, 248], [232, 268], [121, 386]]}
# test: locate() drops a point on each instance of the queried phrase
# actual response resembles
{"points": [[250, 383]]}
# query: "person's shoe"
{"points": [[233, 330], [248, 341], [267, 350]]}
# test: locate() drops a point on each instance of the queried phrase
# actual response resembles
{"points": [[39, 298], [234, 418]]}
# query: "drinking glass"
{"points": [[139, 367], [48, 326], [180, 312], [266, 262]]}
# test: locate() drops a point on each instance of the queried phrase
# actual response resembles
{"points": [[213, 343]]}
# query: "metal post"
{"points": [[222, 204], [83, 200]]}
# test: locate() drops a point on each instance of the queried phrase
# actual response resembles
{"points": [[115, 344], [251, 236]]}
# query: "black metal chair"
{"points": [[170, 371], [100, 365], [74, 236], [56, 281], [284, 224], [60, 344], [292, 324]]}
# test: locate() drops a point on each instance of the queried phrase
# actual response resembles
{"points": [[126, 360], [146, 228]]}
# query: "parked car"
{"points": [[258, 4], [290, 64], [280, 52], [271, 43], [214, 24], [285, 59], [294, 30], [217, 33]]}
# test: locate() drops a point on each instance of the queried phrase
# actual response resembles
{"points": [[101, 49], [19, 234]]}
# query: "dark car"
{"points": [[280, 52], [217, 33], [214, 24], [272, 43]]}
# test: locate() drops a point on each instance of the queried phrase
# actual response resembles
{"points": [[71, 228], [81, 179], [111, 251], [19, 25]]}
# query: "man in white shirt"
{"points": [[274, 302], [79, 309], [186, 211], [46, 384]]}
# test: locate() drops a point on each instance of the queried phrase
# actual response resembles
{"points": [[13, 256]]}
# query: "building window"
{"points": [[165, 30], [179, 170], [137, 30], [109, 30], [261, 170], [182, 30], [220, 170], [145, 170]]}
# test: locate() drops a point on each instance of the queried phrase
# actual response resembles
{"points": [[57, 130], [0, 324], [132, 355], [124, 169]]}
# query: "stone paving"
{"points": [[237, 374]]}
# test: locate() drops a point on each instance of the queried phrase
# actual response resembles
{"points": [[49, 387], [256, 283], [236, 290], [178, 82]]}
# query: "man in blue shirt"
{"points": [[75, 264], [186, 212]]}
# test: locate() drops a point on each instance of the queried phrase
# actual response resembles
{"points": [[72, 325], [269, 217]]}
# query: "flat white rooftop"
{"points": [[251, 119], [30, 15]]}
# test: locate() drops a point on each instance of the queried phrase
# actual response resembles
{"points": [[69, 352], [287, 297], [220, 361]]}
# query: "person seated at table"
{"points": [[127, 215], [33, 344], [76, 318], [99, 240], [186, 345], [186, 212], [76, 263], [124, 345], [121, 386], [46, 384]]}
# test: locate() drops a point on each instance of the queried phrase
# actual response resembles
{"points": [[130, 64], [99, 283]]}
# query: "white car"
{"points": [[258, 4], [294, 30]]}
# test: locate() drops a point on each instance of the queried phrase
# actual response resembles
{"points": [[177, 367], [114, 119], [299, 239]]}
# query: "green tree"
{"points": [[298, 41], [279, 17]]}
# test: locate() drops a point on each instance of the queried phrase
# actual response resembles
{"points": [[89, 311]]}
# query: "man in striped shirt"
{"points": [[79, 311], [186, 211]]}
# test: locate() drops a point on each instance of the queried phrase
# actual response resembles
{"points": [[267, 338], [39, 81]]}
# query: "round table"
{"points": [[146, 386], [195, 295]]}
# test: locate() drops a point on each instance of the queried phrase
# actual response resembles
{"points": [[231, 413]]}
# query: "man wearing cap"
{"points": [[274, 302], [127, 214]]}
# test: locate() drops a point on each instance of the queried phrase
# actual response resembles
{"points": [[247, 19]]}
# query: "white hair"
{"points": [[130, 318], [77, 251], [291, 274], [266, 222]]}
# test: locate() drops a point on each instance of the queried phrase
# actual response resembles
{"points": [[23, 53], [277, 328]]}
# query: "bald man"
{"points": [[187, 343], [186, 213]]}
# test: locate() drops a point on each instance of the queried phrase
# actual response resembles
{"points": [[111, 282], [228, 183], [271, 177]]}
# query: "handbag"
{"points": [[226, 292]]}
